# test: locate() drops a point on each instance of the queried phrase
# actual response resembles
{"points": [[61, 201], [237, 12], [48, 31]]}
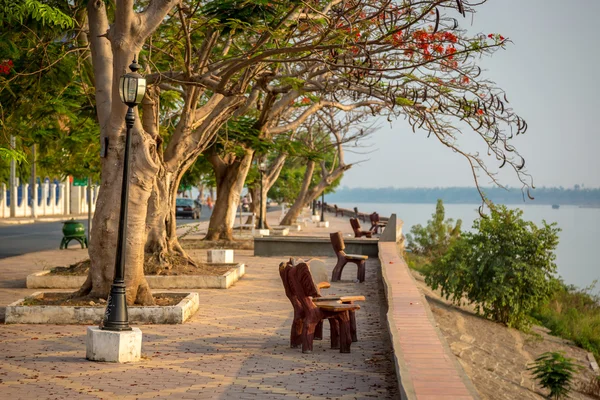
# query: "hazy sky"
{"points": [[551, 79]]}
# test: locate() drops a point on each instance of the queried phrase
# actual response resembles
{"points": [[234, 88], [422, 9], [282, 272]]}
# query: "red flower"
{"points": [[465, 79], [5, 67], [501, 37], [450, 37], [491, 35], [396, 39], [480, 112]]}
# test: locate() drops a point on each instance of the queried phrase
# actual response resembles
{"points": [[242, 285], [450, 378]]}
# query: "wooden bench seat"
{"points": [[337, 241], [358, 232], [336, 306], [343, 299], [302, 291]]}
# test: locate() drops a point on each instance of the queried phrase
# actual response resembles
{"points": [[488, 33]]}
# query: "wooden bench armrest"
{"points": [[323, 285], [343, 299], [336, 306], [356, 257]]}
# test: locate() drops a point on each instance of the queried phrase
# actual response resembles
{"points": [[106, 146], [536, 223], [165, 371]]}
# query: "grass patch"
{"points": [[573, 314], [418, 262]]}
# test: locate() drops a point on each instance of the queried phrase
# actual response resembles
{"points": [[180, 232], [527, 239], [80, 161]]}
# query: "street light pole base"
{"points": [[111, 346], [323, 224], [115, 316]]}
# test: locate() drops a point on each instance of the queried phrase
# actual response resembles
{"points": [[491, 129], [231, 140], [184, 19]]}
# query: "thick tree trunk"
{"points": [[111, 59], [201, 193], [163, 250], [230, 176], [263, 203], [103, 244], [294, 211]]}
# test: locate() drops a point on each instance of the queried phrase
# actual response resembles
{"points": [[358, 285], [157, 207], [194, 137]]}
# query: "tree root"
{"points": [[84, 290]]}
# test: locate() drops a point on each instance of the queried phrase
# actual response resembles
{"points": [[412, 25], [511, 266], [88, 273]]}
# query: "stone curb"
{"points": [[65, 315], [41, 280]]}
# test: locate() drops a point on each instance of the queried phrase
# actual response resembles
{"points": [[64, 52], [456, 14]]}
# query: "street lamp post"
{"points": [[323, 207], [262, 168], [132, 87], [314, 204]]}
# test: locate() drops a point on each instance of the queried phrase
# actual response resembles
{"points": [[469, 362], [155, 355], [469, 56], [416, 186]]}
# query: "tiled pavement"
{"points": [[235, 347]]}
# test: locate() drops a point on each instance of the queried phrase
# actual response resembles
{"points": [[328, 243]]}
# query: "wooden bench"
{"points": [[358, 232], [320, 278], [376, 225], [301, 290], [337, 241]]}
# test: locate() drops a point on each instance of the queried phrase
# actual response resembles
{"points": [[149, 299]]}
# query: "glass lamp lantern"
{"points": [[132, 86]]}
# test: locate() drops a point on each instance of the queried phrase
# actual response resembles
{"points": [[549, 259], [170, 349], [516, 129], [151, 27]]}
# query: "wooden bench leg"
{"points": [[334, 326], [361, 270], [319, 331], [308, 334], [345, 335], [353, 326], [336, 275], [296, 333]]}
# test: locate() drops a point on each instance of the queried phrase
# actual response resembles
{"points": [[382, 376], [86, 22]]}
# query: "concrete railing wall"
{"points": [[425, 366], [53, 199]]}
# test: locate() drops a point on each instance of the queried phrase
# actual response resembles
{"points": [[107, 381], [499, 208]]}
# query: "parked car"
{"points": [[188, 208]]}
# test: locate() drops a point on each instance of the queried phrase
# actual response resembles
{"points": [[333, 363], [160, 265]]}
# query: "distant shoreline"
{"points": [[585, 198]]}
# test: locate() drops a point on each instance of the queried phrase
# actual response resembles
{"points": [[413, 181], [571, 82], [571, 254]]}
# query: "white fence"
{"points": [[45, 199]]}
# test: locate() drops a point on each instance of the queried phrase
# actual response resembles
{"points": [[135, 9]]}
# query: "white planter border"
{"points": [[62, 315], [41, 280]]}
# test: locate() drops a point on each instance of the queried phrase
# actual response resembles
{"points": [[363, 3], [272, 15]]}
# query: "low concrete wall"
{"points": [[425, 366], [292, 246], [177, 314], [42, 280]]}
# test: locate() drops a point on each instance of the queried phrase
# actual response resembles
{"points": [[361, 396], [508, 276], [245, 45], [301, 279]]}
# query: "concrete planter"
{"points": [[42, 280], [16, 313], [315, 246]]}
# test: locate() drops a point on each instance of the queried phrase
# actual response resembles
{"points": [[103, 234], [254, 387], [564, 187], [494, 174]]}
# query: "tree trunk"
{"points": [[294, 211], [111, 55], [105, 227], [230, 175], [201, 193], [162, 249], [262, 210]]}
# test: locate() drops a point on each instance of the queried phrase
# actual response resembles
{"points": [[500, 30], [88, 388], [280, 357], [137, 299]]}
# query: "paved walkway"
{"points": [[235, 347]]}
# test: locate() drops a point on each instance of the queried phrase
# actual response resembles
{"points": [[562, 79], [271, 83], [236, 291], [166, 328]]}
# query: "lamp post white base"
{"points": [[323, 224], [113, 346], [262, 232], [316, 218], [220, 256]]}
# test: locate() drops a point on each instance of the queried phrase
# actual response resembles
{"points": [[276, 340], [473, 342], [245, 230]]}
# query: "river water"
{"points": [[576, 252]]}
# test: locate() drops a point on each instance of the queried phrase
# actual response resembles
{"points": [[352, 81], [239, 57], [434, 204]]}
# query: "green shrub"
{"points": [[573, 314], [504, 267], [555, 373], [434, 239]]}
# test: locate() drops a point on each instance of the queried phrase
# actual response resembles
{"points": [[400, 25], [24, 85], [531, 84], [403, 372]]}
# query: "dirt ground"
{"points": [[62, 299], [496, 357]]}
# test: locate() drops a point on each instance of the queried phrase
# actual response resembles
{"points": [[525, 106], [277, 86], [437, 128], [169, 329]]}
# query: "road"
{"points": [[27, 238]]}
